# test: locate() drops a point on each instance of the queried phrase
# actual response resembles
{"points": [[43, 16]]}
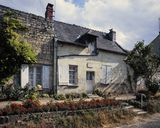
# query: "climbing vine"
{"points": [[14, 51]]}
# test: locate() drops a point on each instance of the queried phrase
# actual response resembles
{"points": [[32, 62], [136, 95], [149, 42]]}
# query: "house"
{"points": [[155, 47], [71, 58]]}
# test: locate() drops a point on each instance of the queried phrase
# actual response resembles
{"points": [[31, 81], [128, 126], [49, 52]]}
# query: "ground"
{"points": [[147, 121]]}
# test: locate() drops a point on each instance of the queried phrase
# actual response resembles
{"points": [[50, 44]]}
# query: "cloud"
{"points": [[133, 20]]}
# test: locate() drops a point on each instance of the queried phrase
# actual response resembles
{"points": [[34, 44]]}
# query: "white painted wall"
{"points": [[88, 63]]}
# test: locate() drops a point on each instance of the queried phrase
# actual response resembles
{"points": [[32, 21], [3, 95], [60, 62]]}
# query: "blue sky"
{"points": [[133, 20], [79, 2]]}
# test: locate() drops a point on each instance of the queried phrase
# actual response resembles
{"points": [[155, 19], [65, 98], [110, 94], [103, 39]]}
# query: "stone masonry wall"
{"points": [[39, 33]]}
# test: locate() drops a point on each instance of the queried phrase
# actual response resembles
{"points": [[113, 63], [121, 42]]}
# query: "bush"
{"points": [[31, 103], [98, 92], [59, 97], [45, 95], [153, 106], [32, 94], [13, 92], [84, 95], [153, 87]]}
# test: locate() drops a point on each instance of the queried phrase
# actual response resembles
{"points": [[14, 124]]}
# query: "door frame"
{"points": [[90, 81]]}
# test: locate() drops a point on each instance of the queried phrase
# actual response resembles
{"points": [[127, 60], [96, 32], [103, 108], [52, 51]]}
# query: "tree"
{"points": [[143, 62], [14, 51]]}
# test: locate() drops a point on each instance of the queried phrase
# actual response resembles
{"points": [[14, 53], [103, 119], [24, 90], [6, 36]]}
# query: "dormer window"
{"points": [[90, 41]]}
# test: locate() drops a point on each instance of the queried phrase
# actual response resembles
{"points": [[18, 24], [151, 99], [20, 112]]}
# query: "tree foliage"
{"points": [[14, 51], [143, 61]]}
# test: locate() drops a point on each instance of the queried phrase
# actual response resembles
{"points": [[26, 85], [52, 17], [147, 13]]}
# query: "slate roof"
{"points": [[70, 32], [155, 45]]}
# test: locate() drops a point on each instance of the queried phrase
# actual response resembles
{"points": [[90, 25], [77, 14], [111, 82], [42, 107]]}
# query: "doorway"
{"points": [[90, 80]]}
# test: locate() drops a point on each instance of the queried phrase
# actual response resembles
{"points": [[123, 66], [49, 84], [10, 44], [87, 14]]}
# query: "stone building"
{"points": [[72, 58]]}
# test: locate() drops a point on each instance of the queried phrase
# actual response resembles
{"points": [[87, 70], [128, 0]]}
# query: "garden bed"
{"points": [[95, 117], [31, 106]]}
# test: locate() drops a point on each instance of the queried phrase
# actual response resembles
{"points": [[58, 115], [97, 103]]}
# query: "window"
{"points": [[91, 47], [73, 74], [89, 75], [106, 74], [35, 75]]}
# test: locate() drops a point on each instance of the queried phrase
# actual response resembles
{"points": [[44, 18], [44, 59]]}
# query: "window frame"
{"points": [[33, 79], [73, 74]]}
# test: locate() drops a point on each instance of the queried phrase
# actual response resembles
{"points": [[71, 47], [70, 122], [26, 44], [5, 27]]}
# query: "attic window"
{"points": [[91, 47]]}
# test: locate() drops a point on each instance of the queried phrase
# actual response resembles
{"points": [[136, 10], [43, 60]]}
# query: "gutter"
{"points": [[70, 55]]}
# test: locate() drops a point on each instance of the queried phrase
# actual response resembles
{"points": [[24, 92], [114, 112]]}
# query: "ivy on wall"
{"points": [[14, 51]]}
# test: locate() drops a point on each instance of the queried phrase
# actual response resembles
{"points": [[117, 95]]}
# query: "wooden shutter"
{"points": [[104, 74], [109, 74], [63, 71], [45, 76], [24, 75]]}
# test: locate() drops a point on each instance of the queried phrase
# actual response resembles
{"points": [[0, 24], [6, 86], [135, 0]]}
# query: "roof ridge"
{"points": [[83, 27], [23, 12]]}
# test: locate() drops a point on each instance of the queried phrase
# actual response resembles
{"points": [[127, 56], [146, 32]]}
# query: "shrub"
{"points": [[31, 103], [153, 106], [153, 87], [98, 92], [45, 95], [84, 95], [15, 92], [17, 108], [59, 97], [32, 94], [7, 90]]}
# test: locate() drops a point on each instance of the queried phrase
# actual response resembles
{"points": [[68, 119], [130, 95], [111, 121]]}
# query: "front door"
{"points": [[90, 80]]}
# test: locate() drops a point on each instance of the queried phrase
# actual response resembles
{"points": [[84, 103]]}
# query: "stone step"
{"points": [[141, 112], [136, 110], [128, 107], [124, 104], [93, 96]]}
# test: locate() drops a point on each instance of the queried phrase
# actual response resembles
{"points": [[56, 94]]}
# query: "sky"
{"points": [[133, 20]]}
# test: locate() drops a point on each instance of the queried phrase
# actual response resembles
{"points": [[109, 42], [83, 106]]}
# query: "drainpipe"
{"points": [[55, 65]]}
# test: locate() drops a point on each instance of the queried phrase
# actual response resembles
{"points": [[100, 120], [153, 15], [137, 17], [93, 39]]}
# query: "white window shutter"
{"points": [[104, 74], [24, 75], [45, 76], [109, 74], [63, 71]]}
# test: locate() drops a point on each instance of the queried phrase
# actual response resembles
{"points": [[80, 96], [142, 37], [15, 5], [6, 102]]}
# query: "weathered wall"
{"points": [[89, 63], [40, 33]]}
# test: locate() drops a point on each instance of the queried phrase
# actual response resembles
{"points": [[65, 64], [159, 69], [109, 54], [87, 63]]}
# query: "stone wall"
{"points": [[39, 33]]}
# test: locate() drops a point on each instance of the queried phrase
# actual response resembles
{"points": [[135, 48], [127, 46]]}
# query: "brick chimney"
{"points": [[112, 35], [49, 12]]}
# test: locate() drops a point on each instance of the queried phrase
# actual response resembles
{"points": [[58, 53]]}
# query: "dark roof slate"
{"points": [[70, 32], [155, 45]]}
